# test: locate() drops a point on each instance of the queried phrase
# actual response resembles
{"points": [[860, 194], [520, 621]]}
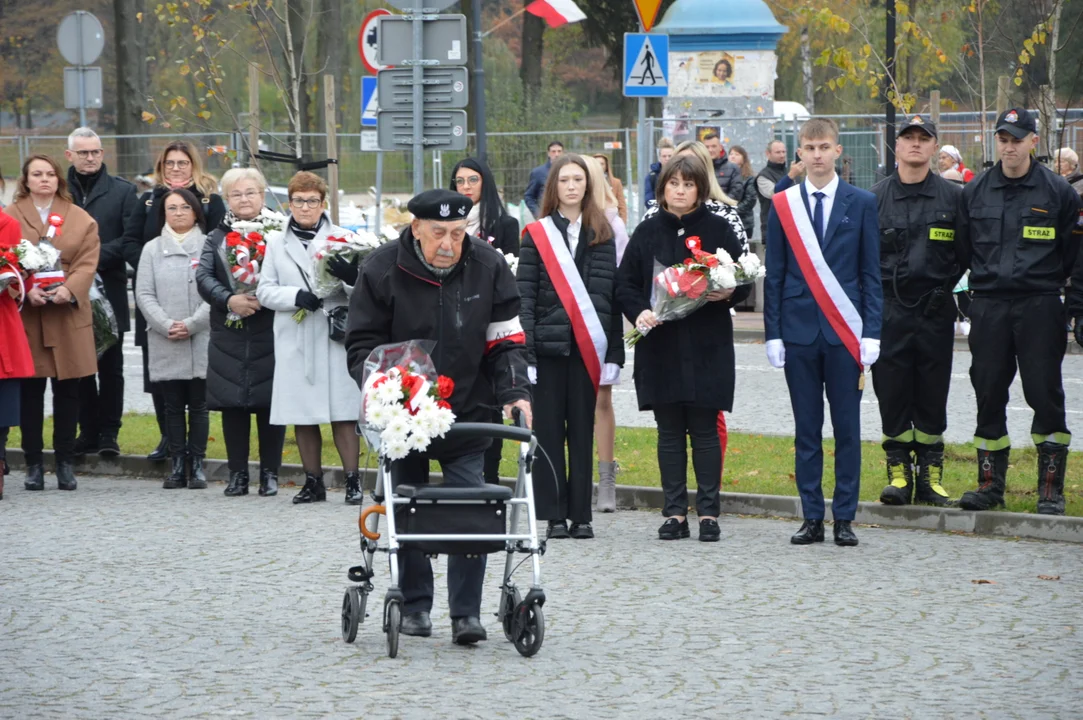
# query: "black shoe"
{"points": [[84, 445], [674, 529], [107, 446], [992, 481], [238, 484], [467, 631], [65, 476], [900, 478], [354, 494], [268, 483], [812, 531], [557, 530], [1052, 463], [927, 487], [581, 531], [178, 478], [313, 491], [416, 625], [35, 477], [709, 530], [844, 534], [161, 452], [198, 477]]}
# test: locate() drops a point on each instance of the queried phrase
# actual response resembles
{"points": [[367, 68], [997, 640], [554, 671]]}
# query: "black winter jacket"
{"points": [[505, 235], [548, 328], [745, 195], [112, 202], [240, 361], [472, 314], [688, 361], [146, 226]]}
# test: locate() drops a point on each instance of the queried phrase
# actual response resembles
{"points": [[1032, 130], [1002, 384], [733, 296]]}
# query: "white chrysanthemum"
{"points": [[724, 257], [513, 263], [394, 449], [723, 277], [246, 226], [751, 267], [444, 419], [376, 414], [389, 392], [426, 402], [418, 441], [397, 424]]}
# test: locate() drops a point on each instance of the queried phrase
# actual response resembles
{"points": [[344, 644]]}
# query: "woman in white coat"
{"points": [[312, 384]]}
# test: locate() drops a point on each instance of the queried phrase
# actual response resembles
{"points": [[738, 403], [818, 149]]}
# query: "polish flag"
{"points": [[556, 12]]}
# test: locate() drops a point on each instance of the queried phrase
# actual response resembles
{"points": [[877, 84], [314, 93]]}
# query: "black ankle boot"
{"points": [[198, 477], [927, 487], [268, 483], [65, 475], [238, 484], [1052, 462], [992, 481], [354, 494], [178, 478], [900, 478], [161, 452], [35, 477], [313, 491]]}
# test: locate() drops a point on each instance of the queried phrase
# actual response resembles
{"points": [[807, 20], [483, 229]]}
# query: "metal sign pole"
{"points": [[479, 86], [79, 68], [419, 100], [379, 191]]}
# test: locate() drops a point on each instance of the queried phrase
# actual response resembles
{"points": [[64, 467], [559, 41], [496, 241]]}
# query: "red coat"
{"points": [[15, 358]]}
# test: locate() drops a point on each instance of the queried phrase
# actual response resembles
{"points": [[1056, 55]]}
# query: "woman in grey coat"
{"points": [[178, 328], [312, 383]]}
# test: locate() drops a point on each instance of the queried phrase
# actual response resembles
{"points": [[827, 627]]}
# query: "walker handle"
{"points": [[379, 509]]}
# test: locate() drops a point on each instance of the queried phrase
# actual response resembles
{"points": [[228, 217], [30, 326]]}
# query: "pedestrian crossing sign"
{"points": [[369, 101], [646, 65]]}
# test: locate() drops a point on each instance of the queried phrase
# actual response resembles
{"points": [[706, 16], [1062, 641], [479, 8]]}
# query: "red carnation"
{"points": [[443, 404], [445, 386], [254, 237]]}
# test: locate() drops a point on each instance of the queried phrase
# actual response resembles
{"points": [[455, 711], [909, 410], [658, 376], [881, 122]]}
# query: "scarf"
{"points": [[441, 273], [305, 235], [473, 222], [181, 238], [86, 182]]}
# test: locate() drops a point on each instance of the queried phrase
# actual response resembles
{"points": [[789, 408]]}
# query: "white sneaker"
{"points": [[966, 328]]}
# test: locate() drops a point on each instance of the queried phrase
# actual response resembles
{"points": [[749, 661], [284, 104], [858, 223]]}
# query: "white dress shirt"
{"points": [[830, 191], [573, 233]]}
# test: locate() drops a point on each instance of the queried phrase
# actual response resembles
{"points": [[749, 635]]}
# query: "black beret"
{"points": [[440, 204]]}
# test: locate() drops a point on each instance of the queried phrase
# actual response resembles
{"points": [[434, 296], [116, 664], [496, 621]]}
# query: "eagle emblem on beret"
{"points": [[445, 210]]}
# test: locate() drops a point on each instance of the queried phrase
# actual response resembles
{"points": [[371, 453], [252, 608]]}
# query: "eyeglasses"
{"points": [[178, 164], [247, 195], [176, 209], [472, 180], [84, 154], [305, 202]]}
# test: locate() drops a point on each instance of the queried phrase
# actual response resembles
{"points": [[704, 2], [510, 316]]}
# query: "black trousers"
{"points": [[465, 575], [65, 418], [913, 374], [1029, 332], [186, 438], [492, 455], [154, 391], [677, 423], [564, 401], [101, 396], [236, 429]]}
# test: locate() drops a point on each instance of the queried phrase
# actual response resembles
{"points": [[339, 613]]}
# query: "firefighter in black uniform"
{"points": [[920, 262], [1021, 234]]}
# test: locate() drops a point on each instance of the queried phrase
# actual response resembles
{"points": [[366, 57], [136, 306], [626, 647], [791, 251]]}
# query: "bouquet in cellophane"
{"points": [[41, 263], [246, 246], [680, 290], [353, 246], [513, 262], [404, 403]]}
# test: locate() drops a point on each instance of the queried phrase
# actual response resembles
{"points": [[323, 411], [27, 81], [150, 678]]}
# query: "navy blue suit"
{"points": [[816, 360], [536, 187]]}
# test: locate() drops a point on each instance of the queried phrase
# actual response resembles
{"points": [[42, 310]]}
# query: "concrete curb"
{"points": [[745, 335], [634, 497]]}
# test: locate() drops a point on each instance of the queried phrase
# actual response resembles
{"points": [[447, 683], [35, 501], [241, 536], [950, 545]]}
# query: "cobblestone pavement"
{"points": [[122, 600]]}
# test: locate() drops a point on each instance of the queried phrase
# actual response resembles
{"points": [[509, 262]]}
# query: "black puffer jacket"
{"points": [[240, 361], [548, 329], [146, 225], [745, 195]]}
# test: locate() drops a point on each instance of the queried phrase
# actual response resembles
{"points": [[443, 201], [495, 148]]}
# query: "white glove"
{"points": [[610, 373], [532, 374], [776, 353], [870, 351]]}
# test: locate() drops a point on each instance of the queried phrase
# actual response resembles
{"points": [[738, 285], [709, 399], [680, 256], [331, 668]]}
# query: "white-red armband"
{"points": [[504, 331]]}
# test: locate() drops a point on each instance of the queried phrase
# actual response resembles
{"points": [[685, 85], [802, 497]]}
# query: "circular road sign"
{"points": [[367, 41], [437, 5], [80, 38]]}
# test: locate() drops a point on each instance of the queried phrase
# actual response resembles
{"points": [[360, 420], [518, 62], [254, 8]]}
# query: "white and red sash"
{"points": [[829, 295], [559, 263]]}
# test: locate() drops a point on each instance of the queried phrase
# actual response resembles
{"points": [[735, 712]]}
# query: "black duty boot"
{"points": [[927, 487], [197, 480], [65, 475], [107, 446], [313, 491], [992, 481], [84, 445], [179, 477], [1052, 462], [238, 484], [161, 452], [900, 478], [354, 494], [268, 483], [35, 477]]}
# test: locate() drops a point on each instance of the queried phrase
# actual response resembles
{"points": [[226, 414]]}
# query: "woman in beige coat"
{"points": [[58, 320]]}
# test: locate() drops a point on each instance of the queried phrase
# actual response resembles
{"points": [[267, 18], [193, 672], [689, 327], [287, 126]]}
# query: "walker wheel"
{"points": [[351, 614], [532, 630], [394, 620], [507, 612]]}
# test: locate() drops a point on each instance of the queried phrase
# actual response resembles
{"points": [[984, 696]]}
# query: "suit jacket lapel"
{"points": [[100, 188], [843, 198]]}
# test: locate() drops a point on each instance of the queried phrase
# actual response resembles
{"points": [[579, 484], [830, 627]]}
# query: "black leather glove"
{"points": [[1079, 330], [345, 270], [307, 301]]}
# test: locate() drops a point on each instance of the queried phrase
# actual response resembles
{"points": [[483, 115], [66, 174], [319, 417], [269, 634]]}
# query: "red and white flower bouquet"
{"points": [[246, 246]]}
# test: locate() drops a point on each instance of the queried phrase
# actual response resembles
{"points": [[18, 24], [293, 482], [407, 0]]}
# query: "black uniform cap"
{"points": [[1016, 121], [917, 121], [440, 204]]}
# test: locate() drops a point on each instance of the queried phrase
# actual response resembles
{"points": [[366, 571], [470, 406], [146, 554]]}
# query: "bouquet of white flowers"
{"points": [[513, 262], [353, 247], [41, 262]]}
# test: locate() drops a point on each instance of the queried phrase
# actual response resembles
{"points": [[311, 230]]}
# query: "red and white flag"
{"points": [[556, 12]]}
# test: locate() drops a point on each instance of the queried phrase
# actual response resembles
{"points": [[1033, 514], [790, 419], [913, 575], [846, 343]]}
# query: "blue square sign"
{"points": [[369, 101], [646, 65]]}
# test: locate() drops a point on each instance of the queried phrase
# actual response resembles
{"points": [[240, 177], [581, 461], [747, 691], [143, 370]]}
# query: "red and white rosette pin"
{"points": [[55, 222]]}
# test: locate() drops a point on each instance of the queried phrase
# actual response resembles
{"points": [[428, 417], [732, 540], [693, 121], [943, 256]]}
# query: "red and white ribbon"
{"points": [[55, 222]]}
